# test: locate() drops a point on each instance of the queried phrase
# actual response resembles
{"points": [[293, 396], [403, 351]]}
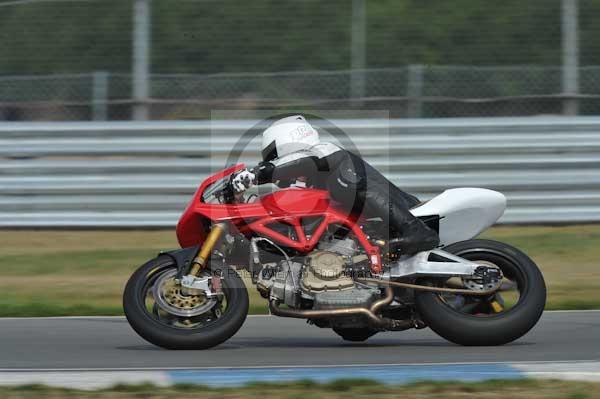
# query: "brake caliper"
{"points": [[192, 285]]}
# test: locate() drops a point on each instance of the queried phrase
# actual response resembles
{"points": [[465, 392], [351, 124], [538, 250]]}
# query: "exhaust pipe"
{"points": [[370, 313]]}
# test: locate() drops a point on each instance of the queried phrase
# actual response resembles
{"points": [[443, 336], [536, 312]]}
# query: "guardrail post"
{"points": [[570, 55], [100, 96], [358, 57], [414, 91], [141, 58]]}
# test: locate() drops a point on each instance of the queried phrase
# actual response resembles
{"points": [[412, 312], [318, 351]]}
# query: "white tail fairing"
{"points": [[463, 212]]}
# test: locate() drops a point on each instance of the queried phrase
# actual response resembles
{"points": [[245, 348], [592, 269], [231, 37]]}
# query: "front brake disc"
{"points": [[169, 297]]}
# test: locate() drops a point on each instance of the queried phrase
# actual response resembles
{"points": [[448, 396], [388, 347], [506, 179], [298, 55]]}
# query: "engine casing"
{"points": [[325, 272], [321, 278]]}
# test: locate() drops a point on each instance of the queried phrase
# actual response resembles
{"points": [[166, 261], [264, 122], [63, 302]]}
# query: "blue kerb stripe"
{"points": [[385, 374]]}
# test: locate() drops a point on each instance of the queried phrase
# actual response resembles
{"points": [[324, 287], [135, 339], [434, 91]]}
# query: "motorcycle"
{"points": [[313, 261]]}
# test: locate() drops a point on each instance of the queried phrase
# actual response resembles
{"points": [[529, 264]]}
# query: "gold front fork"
{"points": [[216, 232]]}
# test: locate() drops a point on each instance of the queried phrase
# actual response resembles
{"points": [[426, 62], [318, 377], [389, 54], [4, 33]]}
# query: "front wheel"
{"points": [[495, 320], [158, 310]]}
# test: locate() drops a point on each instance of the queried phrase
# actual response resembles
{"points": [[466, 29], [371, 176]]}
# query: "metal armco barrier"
{"points": [[130, 174]]}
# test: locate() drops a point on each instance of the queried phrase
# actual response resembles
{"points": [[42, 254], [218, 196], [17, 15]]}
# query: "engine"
{"points": [[321, 280]]}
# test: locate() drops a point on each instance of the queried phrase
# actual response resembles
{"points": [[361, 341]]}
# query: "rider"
{"points": [[293, 156]]}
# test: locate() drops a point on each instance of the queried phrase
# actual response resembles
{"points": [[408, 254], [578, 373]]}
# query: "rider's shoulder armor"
{"points": [[321, 150]]}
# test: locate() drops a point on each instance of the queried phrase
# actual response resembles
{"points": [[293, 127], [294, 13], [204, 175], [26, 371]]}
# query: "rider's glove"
{"points": [[243, 181]]}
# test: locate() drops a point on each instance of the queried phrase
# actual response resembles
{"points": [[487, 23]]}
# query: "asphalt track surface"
{"points": [[109, 343]]}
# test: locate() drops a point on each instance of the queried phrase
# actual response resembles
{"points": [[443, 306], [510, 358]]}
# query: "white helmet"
{"points": [[288, 135]]}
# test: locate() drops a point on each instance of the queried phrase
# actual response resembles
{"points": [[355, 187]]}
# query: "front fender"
{"points": [[182, 258]]}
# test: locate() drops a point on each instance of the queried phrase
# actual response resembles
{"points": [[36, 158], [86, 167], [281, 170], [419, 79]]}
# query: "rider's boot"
{"points": [[416, 237]]}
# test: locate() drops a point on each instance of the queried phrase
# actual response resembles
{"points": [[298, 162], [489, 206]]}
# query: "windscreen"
{"points": [[215, 193]]}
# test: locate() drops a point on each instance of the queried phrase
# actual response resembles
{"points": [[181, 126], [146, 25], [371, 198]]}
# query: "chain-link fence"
{"points": [[77, 60], [432, 91]]}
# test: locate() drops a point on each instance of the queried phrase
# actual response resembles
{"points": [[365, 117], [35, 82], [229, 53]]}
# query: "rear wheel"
{"points": [[162, 314], [493, 320]]}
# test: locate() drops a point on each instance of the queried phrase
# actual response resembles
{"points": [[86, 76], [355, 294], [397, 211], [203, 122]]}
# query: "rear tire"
{"points": [[169, 337], [496, 329]]}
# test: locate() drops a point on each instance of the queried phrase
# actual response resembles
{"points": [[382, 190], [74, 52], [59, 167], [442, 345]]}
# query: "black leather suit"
{"points": [[357, 186]]}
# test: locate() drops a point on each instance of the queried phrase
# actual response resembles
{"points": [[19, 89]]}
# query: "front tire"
{"points": [[181, 333], [488, 328]]}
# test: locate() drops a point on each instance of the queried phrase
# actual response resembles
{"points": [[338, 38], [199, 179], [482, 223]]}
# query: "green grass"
{"points": [[342, 389], [51, 273]]}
